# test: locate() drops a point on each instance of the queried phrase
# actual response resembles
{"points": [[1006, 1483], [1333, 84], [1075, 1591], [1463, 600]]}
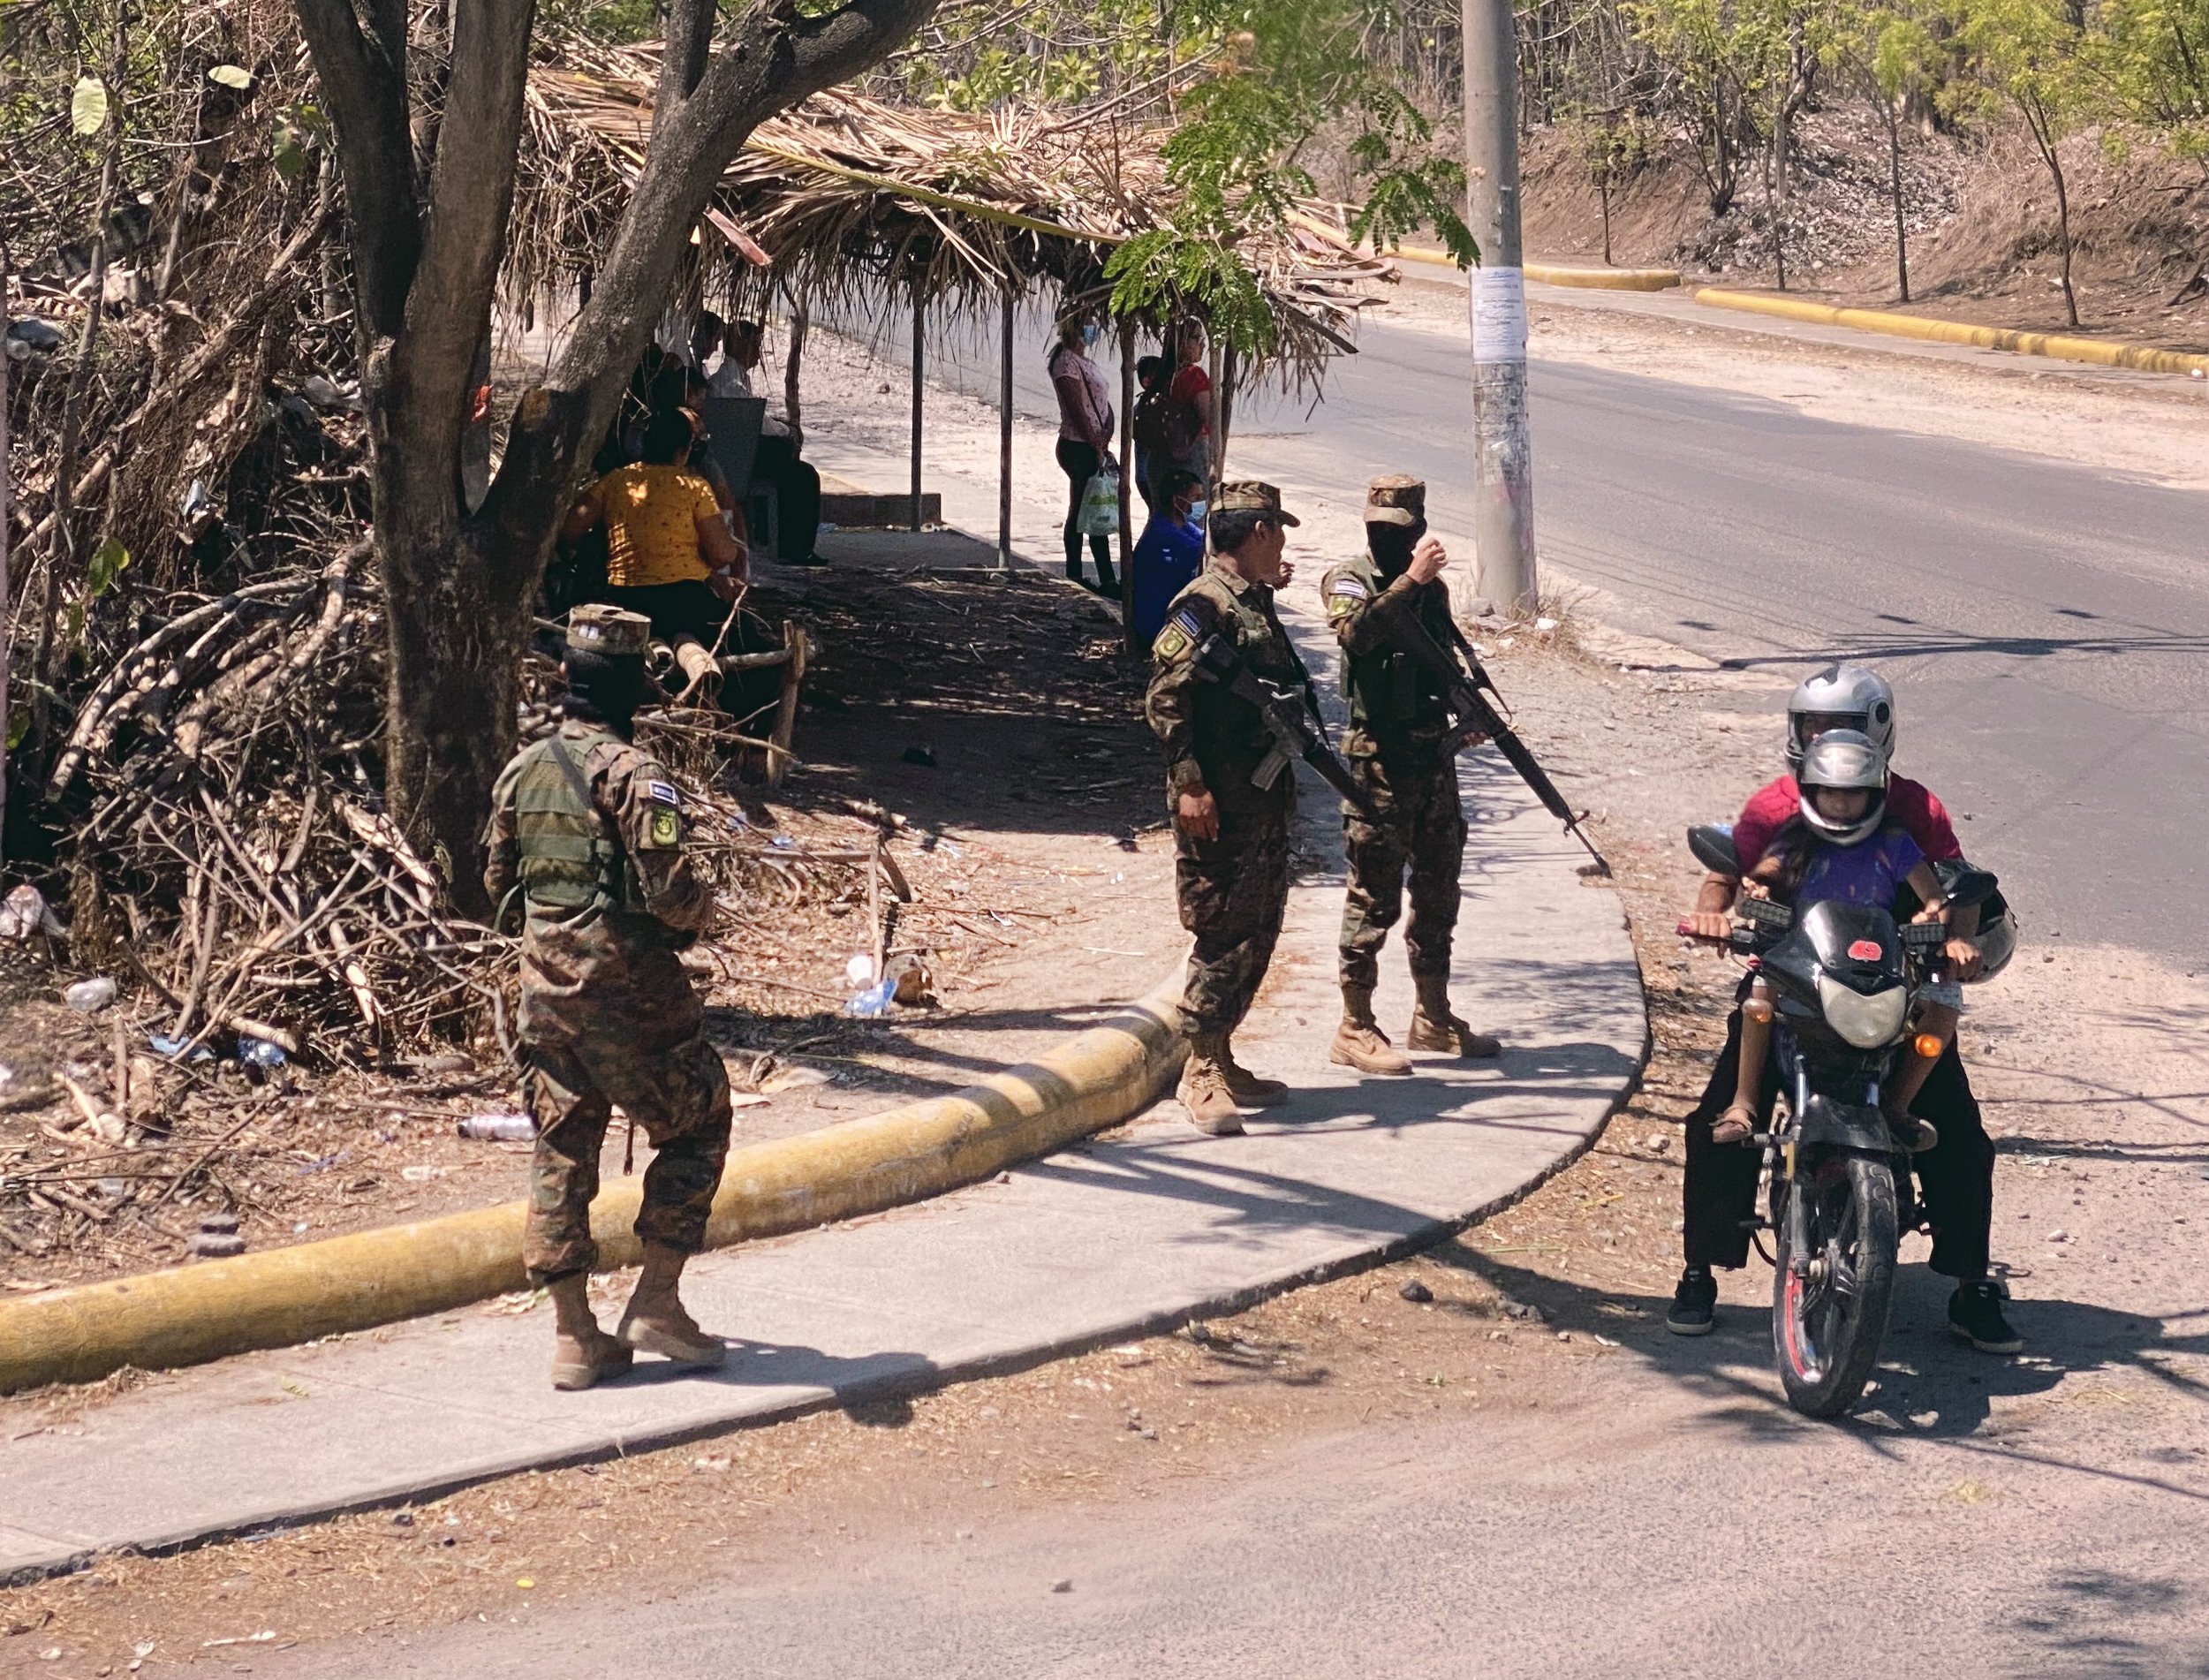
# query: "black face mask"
{"points": [[603, 690], [1391, 545]]}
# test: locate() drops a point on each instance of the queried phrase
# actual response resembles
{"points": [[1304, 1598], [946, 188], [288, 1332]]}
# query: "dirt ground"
{"points": [[1022, 846], [1550, 1308]]}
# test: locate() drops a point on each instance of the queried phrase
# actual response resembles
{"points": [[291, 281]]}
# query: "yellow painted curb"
{"points": [[2099, 352], [1549, 275], [187, 1316], [1605, 279]]}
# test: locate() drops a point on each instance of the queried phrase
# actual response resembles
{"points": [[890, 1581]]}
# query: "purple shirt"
{"points": [[1868, 872]]}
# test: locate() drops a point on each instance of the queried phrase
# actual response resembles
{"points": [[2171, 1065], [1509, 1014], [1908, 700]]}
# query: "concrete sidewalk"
{"points": [[1149, 1226]]}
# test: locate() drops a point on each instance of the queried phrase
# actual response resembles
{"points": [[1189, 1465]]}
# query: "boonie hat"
{"points": [[609, 632], [1252, 495], [1397, 499]]}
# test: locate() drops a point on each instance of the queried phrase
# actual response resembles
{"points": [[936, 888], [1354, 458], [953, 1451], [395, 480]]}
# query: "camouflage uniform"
{"points": [[608, 1014], [1397, 747], [1232, 890]]}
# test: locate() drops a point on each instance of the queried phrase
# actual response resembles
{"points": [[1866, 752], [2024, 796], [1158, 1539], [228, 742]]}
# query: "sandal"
{"points": [[1736, 1123]]}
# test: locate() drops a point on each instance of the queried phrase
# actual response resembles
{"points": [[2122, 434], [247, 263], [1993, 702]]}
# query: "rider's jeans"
{"points": [[1956, 1176]]}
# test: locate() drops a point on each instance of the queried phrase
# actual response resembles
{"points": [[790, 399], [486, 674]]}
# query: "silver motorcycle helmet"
{"points": [[1862, 699], [1844, 759]]}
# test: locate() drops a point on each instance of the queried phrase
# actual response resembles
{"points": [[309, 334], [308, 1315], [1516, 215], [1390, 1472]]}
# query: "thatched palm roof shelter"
{"points": [[848, 198], [844, 192]]}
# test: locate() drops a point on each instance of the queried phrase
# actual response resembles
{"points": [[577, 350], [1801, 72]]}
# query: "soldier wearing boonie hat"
{"points": [[1230, 837], [588, 831], [1398, 746]]}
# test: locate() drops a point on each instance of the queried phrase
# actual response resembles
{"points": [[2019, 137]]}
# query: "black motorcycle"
{"points": [[1844, 981]]}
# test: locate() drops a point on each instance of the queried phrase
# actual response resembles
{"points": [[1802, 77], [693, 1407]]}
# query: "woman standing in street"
{"points": [[1085, 439]]}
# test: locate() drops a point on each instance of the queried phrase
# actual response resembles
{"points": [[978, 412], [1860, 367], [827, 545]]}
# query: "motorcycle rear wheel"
{"points": [[1827, 1324]]}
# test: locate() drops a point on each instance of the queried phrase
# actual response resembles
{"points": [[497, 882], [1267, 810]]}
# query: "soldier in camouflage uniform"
{"points": [[1399, 748], [1230, 837], [590, 831]]}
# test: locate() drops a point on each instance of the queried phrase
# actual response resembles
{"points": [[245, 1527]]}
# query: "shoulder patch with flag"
{"points": [[663, 793], [1181, 633], [1344, 592]]}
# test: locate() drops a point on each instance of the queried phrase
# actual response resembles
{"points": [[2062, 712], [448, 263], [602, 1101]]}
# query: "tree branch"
{"points": [[364, 85], [688, 39], [471, 195]]}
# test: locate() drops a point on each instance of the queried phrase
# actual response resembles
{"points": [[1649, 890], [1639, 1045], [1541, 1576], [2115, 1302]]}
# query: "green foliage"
{"points": [[2152, 58], [1251, 87], [107, 563], [89, 106]]}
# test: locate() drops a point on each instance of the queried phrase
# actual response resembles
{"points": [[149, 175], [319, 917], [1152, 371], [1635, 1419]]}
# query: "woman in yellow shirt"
{"points": [[669, 554]]}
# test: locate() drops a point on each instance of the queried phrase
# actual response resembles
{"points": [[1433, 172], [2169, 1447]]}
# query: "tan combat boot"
{"points": [[1359, 1042], [1204, 1089], [583, 1355], [655, 1321], [1433, 1028], [1248, 1090]]}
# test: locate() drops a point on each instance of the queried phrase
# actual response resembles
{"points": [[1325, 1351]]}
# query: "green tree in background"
{"points": [[2033, 55]]}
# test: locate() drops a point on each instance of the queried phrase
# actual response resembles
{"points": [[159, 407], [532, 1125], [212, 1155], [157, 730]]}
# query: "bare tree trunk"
{"points": [[2042, 131], [1895, 188], [426, 244], [1603, 194], [800, 320]]}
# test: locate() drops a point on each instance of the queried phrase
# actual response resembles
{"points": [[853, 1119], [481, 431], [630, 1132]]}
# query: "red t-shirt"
{"points": [[1192, 388], [1909, 803]]}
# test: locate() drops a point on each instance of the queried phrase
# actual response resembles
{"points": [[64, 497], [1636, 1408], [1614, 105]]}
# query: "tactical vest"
{"points": [[1390, 692], [570, 858]]}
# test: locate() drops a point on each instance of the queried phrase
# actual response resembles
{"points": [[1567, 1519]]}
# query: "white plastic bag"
{"points": [[1100, 505]]}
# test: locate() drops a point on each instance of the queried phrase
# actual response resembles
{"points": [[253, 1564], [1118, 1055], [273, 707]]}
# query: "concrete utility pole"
{"points": [[1502, 452]]}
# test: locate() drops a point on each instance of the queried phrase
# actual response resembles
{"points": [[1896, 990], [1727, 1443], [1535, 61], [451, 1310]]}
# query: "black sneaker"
{"points": [[1694, 1303], [1975, 1314]]}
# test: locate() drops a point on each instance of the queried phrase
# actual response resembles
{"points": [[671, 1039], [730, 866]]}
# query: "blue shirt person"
{"points": [[1168, 555]]}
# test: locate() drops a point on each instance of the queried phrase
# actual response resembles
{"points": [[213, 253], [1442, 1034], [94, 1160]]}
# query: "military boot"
{"points": [[1248, 1090], [1434, 1026], [1359, 1042], [583, 1355], [655, 1321], [1204, 1087]]}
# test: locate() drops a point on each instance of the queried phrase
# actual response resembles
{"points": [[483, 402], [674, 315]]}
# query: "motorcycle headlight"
{"points": [[1865, 1022]]}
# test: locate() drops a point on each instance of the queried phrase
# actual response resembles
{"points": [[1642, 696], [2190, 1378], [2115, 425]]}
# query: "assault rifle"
{"points": [[1476, 717], [1289, 718]]}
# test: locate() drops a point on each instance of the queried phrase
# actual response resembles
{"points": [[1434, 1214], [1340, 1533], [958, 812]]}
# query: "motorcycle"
{"points": [[1845, 981]]}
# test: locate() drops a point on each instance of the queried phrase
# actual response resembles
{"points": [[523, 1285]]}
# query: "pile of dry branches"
{"points": [[233, 855]]}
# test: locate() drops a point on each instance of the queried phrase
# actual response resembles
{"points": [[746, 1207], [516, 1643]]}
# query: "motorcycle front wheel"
{"points": [[1829, 1314]]}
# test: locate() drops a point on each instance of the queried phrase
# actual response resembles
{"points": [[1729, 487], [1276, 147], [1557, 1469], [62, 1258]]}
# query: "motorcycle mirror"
{"points": [[1964, 886], [1713, 844]]}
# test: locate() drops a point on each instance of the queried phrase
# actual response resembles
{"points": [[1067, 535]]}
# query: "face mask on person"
{"points": [[1196, 510], [1089, 335]]}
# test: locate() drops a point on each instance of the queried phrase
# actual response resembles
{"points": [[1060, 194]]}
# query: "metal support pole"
{"points": [[920, 318], [1127, 485], [1004, 444], [1502, 451]]}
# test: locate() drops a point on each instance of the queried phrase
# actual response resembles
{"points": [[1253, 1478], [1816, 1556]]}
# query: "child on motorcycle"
{"points": [[1842, 846]]}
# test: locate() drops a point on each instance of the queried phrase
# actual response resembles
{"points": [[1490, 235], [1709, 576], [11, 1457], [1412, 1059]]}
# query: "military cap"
{"points": [[1252, 495], [609, 632], [1397, 499]]}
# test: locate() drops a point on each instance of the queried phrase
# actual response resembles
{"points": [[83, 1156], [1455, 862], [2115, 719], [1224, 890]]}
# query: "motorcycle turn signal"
{"points": [[1929, 1045]]}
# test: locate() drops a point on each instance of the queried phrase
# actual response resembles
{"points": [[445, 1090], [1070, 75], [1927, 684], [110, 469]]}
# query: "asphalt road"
{"points": [[1672, 1520], [2045, 622]]}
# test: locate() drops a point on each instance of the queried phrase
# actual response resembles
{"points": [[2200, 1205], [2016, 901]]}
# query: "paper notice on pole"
{"points": [[1499, 314]]}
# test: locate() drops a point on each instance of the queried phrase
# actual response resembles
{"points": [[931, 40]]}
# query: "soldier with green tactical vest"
{"points": [[1230, 834], [1399, 747], [589, 831]]}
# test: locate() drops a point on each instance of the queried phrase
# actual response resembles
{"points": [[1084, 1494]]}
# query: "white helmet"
{"points": [[1846, 691], [1844, 759]]}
